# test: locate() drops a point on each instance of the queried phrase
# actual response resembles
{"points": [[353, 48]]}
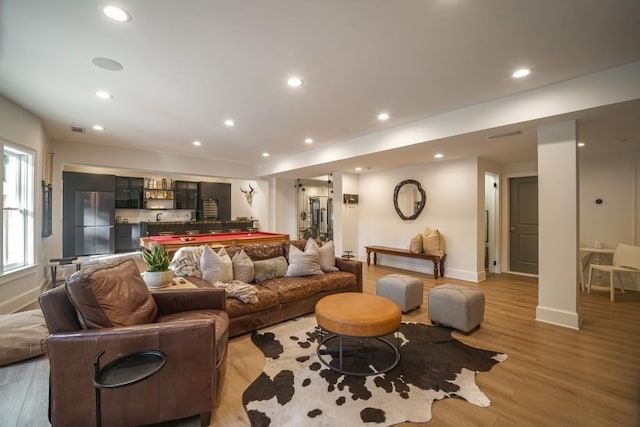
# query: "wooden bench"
{"points": [[438, 262]]}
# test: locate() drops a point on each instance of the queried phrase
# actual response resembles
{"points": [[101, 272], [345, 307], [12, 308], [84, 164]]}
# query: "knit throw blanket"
{"points": [[243, 291], [186, 261]]}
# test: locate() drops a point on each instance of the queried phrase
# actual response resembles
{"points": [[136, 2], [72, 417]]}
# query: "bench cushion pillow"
{"points": [[415, 245], [432, 242]]}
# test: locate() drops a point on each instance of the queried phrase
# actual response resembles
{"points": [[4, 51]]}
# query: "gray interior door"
{"points": [[523, 223]]}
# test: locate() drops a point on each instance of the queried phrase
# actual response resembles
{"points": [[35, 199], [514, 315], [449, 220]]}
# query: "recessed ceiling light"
{"points": [[294, 81], [523, 72], [265, 154], [116, 13], [581, 144], [197, 143], [308, 141], [358, 169], [98, 127], [229, 123], [438, 155], [383, 116], [103, 94], [106, 63]]}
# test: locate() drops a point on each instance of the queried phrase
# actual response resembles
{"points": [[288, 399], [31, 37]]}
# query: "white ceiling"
{"points": [[189, 65]]}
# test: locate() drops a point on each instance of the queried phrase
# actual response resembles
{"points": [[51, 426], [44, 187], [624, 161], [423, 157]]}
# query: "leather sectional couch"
{"points": [[284, 298]]}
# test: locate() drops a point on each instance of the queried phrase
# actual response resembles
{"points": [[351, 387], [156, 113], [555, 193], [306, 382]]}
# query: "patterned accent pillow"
{"points": [[327, 256], [305, 263], [270, 268], [216, 267], [415, 245], [242, 267]]}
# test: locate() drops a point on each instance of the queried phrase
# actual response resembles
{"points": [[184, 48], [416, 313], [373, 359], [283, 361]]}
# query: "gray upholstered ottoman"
{"points": [[457, 306], [405, 291]]}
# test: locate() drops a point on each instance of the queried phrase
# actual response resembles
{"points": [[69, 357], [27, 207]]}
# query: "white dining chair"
{"points": [[626, 258]]}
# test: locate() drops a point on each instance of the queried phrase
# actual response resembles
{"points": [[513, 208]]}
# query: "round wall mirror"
{"points": [[409, 199]]}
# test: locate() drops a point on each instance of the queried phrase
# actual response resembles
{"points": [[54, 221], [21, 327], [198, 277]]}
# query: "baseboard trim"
{"points": [[567, 319], [19, 302]]}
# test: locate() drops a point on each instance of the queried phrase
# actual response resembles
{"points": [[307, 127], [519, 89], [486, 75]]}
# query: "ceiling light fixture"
{"points": [[383, 116], [523, 72], [308, 141], [438, 155], [358, 169], [265, 154], [229, 123], [197, 143], [103, 94], [117, 13], [294, 81], [98, 127]]}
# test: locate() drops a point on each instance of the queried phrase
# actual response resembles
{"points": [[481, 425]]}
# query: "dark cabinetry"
{"points": [[186, 194], [127, 237], [214, 201], [129, 192]]}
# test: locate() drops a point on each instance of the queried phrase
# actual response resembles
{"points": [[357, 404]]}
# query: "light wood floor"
{"points": [[554, 376]]}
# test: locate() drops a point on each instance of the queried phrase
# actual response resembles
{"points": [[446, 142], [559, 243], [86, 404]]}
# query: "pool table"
{"points": [[172, 243]]}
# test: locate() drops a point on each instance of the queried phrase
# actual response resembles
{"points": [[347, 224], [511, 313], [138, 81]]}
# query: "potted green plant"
{"points": [[157, 261]]}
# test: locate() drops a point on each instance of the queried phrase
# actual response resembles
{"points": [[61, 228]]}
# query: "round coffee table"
{"points": [[354, 314]]}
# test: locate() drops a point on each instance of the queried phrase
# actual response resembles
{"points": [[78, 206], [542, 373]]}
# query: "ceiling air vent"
{"points": [[77, 129], [504, 135]]}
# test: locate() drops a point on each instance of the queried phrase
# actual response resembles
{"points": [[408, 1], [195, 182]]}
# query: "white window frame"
{"points": [[26, 205]]}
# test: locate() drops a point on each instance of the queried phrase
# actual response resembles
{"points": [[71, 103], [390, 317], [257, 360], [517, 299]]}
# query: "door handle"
{"points": [[513, 229]]}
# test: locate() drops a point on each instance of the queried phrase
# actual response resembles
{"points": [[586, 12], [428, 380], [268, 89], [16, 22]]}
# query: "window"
{"points": [[17, 209]]}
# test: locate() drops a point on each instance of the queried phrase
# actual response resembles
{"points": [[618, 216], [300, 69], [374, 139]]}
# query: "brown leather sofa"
{"points": [[103, 308], [284, 298]]}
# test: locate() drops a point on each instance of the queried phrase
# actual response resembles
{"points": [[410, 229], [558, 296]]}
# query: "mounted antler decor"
{"points": [[248, 194]]}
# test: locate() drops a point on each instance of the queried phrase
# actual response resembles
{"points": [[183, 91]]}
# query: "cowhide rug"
{"points": [[296, 389]]}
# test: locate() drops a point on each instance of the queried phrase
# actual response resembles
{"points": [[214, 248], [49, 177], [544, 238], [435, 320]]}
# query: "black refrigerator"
{"points": [[94, 222]]}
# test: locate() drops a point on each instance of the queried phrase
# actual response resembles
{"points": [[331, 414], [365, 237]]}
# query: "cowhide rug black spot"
{"points": [[296, 389]]}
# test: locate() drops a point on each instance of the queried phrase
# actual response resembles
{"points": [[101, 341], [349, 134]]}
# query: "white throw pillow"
{"points": [[243, 267], [304, 263], [327, 256], [216, 267]]}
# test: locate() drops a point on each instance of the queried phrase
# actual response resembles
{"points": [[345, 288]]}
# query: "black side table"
{"points": [[124, 371]]}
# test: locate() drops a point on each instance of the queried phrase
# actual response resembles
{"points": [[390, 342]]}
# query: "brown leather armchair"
{"points": [[190, 327]]}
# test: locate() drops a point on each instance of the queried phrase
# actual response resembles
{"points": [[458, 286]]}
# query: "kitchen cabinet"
{"points": [[129, 192], [186, 194], [217, 194], [127, 237]]}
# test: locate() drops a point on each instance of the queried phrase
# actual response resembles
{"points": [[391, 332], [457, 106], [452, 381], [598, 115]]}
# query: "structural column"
{"points": [[558, 225]]}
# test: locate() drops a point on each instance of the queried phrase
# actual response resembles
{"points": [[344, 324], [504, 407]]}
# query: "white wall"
{"points": [[452, 207], [612, 179], [283, 207], [20, 127]]}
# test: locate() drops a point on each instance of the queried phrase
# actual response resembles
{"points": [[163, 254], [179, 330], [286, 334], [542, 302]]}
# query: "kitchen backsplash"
{"points": [[134, 216]]}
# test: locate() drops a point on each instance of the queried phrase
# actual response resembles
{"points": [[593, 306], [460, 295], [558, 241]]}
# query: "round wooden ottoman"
{"points": [[353, 314]]}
